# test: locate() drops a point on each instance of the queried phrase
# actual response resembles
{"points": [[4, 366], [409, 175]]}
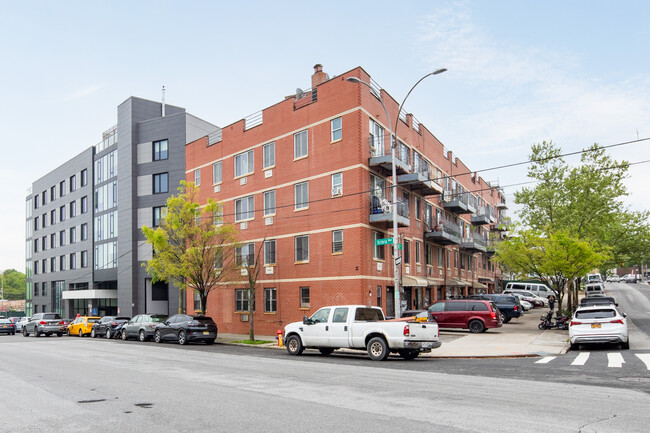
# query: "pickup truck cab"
{"points": [[363, 328]]}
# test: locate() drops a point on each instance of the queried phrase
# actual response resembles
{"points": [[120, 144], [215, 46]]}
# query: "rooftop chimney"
{"points": [[319, 76]]}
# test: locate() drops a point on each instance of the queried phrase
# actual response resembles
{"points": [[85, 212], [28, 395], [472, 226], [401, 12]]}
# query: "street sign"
{"points": [[386, 241], [398, 260], [399, 246]]}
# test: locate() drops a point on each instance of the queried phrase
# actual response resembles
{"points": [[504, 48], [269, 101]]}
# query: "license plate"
{"points": [[427, 345], [595, 325], [4, 326], [206, 333]]}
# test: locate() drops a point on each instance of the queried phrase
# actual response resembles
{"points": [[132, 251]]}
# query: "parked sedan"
{"points": [[7, 327], [142, 326], [107, 326], [598, 324], [82, 325], [184, 328]]}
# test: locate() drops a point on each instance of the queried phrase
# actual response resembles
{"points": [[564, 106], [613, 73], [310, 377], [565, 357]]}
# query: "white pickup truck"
{"points": [[360, 327]]}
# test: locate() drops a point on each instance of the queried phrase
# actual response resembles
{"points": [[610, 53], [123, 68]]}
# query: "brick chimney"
{"points": [[319, 76]]}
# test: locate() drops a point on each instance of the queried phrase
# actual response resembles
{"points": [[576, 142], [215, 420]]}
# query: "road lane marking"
{"points": [[581, 359], [645, 357], [546, 360], [615, 360]]}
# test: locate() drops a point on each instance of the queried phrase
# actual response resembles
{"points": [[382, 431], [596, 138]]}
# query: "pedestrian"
{"points": [[551, 302]]}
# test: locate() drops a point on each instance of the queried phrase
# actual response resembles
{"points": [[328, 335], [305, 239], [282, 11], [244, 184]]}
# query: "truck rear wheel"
{"points": [[294, 345], [409, 354], [378, 349]]}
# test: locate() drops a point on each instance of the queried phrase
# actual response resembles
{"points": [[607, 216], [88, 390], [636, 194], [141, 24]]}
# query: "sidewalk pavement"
{"points": [[518, 338]]}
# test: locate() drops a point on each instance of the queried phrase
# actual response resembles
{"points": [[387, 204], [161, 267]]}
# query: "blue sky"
{"points": [[575, 72]]}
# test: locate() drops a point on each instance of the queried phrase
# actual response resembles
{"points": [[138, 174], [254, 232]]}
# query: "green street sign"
{"points": [[399, 246], [386, 241]]}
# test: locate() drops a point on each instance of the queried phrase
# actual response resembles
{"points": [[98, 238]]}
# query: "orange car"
{"points": [[82, 325]]}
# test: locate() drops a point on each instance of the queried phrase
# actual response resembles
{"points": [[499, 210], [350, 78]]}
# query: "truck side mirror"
{"points": [[305, 320]]}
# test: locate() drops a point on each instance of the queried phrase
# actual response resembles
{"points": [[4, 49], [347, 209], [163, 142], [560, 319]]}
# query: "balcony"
{"points": [[420, 181], [304, 98], [379, 158], [490, 248], [381, 212], [481, 217], [501, 224], [445, 233], [475, 244], [457, 202]]}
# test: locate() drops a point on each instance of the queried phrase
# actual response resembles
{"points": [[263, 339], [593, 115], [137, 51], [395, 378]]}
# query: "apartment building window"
{"points": [[62, 213], [53, 217], [44, 266], [244, 163], [160, 183], [36, 224], [44, 195], [418, 206], [217, 217], [244, 208], [378, 251], [197, 177], [241, 300], [379, 296], [269, 203], [36, 245], [62, 188], [440, 257], [304, 297], [73, 183], [302, 195], [62, 263], [73, 235], [160, 150], [218, 259], [407, 252], [216, 173], [73, 260], [337, 129], [35, 267], [62, 238], [53, 193], [158, 215], [455, 259], [302, 248], [428, 255], [270, 300], [245, 255], [53, 240], [376, 138], [300, 144], [84, 177], [53, 264], [418, 252], [36, 201], [337, 241], [44, 290], [268, 152], [44, 220], [84, 204], [337, 184], [44, 243], [269, 252], [73, 209], [197, 301]]}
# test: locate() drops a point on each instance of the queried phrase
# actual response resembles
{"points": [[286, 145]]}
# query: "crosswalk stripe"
{"points": [[615, 360], [581, 358], [645, 357], [546, 360]]}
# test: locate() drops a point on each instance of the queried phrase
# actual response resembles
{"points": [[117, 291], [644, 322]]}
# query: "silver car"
{"points": [[20, 322], [44, 324]]}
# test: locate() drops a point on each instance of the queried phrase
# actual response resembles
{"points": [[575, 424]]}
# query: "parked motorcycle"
{"points": [[547, 322]]}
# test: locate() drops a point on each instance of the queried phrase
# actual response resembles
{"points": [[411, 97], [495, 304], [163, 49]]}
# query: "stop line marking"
{"points": [[581, 359], [645, 357], [615, 360]]}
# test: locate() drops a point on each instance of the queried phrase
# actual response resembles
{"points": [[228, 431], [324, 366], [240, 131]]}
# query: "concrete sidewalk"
{"points": [[520, 337]]}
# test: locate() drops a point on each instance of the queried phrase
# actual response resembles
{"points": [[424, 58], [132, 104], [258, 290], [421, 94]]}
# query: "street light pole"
{"points": [[393, 144]]}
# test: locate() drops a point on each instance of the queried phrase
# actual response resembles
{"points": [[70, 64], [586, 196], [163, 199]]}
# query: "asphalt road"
{"points": [[77, 385]]}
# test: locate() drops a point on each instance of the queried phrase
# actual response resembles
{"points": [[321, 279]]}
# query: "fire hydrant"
{"points": [[278, 335]]}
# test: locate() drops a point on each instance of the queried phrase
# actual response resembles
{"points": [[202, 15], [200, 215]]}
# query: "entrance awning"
{"points": [[477, 285], [486, 279], [410, 281], [455, 282], [435, 281]]}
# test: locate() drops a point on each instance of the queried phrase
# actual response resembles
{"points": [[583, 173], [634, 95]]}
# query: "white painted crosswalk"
{"points": [[613, 359], [581, 359]]}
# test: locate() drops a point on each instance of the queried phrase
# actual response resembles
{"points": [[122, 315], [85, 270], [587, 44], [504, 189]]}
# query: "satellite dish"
{"points": [[299, 92]]}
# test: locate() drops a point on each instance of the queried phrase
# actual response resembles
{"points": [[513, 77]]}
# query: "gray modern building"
{"points": [[84, 241]]}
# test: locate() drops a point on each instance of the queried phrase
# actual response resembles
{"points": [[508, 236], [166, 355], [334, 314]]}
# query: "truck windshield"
{"points": [[368, 315]]}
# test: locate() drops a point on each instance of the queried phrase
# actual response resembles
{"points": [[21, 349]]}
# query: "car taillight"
{"points": [[493, 315], [407, 331], [616, 321], [113, 323], [575, 322], [516, 308], [61, 322], [42, 322]]}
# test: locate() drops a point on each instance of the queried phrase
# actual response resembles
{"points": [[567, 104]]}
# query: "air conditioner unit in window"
{"points": [[268, 173], [217, 188], [269, 270], [243, 181], [243, 226], [337, 190], [244, 317], [268, 221]]}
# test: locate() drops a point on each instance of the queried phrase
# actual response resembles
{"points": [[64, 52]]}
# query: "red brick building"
{"points": [[310, 176]]}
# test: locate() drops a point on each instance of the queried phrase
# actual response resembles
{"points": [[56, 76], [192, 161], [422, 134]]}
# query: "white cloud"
{"points": [[81, 93]]}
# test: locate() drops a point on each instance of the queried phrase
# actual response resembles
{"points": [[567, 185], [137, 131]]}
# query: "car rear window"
{"points": [[603, 313], [51, 316], [477, 306], [5, 321], [203, 320], [158, 318], [368, 315]]}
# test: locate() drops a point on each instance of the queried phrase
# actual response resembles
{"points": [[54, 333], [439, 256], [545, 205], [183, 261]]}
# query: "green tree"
{"points": [[192, 246], [14, 285]]}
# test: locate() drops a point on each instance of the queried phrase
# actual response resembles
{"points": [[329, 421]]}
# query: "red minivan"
{"points": [[475, 315]]}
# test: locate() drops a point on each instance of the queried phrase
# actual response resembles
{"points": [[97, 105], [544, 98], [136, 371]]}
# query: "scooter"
{"points": [[561, 322]]}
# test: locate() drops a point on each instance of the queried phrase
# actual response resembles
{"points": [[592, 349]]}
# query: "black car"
{"points": [[141, 326], [107, 326], [508, 305], [605, 300], [184, 328], [7, 327]]}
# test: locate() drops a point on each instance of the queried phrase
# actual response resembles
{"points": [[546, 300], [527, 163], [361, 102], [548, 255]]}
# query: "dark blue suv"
{"points": [[508, 305]]}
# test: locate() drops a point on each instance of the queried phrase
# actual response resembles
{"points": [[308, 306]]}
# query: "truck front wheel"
{"points": [[294, 345], [377, 349]]}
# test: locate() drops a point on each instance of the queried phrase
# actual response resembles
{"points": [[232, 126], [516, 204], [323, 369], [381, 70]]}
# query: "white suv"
{"points": [[598, 324]]}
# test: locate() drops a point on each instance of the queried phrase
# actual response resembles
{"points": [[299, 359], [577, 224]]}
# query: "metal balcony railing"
{"points": [[381, 205], [305, 98], [449, 227]]}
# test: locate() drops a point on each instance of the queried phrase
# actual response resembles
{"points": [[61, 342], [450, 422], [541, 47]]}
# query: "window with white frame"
{"points": [[304, 297], [337, 129], [217, 217], [268, 152], [300, 144], [197, 301], [337, 184], [216, 173], [270, 300], [245, 255], [302, 248], [197, 177], [378, 252], [337, 241], [269, 203], [269, 252], [244, 163], [418, 249], [241, 299], [376, 139], [218, 258], [244, 208], [302, 195]]}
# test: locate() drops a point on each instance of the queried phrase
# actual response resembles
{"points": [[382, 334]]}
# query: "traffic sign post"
{"points": [[398, 260]]}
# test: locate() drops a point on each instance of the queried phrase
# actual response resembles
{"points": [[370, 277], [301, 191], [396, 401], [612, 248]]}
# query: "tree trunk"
{"points": [[204, 301], [251, 299]]}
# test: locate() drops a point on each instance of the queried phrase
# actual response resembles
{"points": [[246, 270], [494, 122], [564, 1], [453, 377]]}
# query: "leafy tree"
{"points": [[192, 246], [252, 273], [14, 285]]}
